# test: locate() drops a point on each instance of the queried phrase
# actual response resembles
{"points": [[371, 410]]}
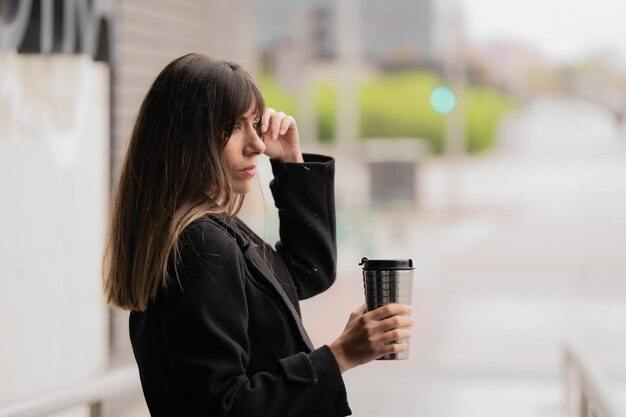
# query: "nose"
{"points": [[255, 146]]}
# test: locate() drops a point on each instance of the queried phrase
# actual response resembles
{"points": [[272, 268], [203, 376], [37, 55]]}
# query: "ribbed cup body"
{"points": [[389, 286]]}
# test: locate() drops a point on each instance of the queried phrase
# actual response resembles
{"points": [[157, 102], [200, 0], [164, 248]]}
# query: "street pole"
{"points": [[454, 122], [348, 51], [293, 68]]}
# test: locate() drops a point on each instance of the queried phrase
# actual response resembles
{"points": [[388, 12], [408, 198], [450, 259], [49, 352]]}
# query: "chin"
{"points": [[243, 190]]}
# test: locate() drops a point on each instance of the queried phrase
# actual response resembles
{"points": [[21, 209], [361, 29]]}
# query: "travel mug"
{"points": [[388, 281]]}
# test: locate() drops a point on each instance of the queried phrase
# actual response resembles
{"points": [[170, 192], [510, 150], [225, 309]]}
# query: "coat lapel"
{"points": [[258, 267], [256, 263]]}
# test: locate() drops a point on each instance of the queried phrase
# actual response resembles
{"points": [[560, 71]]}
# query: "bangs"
{"points": [[241, 93]]}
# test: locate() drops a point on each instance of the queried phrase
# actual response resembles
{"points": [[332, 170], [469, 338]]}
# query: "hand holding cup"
{"points": [[369, 335]]}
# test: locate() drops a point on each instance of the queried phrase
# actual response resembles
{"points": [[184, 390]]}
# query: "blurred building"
{"points": [[398, 33], [393, 33], [515, 68]]}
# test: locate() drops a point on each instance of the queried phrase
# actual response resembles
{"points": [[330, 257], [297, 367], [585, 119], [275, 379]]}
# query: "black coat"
{"points": [[227, 340]]}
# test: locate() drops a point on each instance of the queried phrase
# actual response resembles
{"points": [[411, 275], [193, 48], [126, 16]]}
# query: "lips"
{"points": [[248, 171]]}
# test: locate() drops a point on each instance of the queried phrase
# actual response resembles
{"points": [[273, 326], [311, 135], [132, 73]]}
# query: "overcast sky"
{"points": [[562, 30]]}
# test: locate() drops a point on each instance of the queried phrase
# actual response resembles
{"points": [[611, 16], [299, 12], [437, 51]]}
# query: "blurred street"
{"points": [[516, 252], [484, 140]]}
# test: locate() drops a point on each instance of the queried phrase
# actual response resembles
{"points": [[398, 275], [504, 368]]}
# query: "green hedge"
{"points": [[276, 97], [398, 105]]}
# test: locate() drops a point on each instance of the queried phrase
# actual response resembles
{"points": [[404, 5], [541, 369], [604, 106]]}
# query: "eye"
{"points": [[236, 126], [257, 128]]}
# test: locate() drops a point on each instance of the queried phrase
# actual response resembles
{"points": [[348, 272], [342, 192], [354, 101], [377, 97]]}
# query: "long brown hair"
{"points": [[173, 172]]}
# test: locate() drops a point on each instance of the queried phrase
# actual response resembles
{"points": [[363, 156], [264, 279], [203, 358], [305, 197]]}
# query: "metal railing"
{"points": [[587, 393], [91, 393]]}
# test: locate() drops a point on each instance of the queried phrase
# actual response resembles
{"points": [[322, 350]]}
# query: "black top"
{"points": [[228, 339]]}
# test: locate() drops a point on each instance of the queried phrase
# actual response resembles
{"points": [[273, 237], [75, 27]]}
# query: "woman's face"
{"points": [[241, 151]]}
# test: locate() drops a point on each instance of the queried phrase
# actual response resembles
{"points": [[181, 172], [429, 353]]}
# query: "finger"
{"points": [[396, 334], [285, 124], [275, 121], [265, 120], [393, 348], [395, 322], [358, 312], [389, 310]]}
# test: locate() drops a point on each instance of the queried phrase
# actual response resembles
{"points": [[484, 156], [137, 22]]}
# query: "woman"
{"points": [[215, 323]]}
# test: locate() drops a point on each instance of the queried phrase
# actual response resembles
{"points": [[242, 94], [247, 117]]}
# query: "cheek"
{"points": [[232, 149], [229, 159]]}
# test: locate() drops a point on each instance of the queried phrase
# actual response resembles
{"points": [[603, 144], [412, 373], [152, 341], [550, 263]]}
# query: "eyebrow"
{"points": [[253, 116]]}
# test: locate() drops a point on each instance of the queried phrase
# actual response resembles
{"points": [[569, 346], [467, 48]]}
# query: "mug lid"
{"points": [[385, 264]]}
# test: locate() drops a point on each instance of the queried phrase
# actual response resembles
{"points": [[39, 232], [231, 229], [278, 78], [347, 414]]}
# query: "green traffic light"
{"points": [[442, 100]]}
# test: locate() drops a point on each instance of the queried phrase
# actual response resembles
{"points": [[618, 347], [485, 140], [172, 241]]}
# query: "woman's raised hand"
{"points": [[280, 134], [367, 335]]}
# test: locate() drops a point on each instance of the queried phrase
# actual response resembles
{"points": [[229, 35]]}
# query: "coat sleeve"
{"points": [[304, 196], [205, 321]]}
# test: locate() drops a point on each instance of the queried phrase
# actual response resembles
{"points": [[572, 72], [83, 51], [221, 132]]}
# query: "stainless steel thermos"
{"points": [[388, 281]]}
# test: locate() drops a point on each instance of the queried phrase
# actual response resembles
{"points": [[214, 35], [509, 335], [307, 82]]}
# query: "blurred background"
{"points": [[484, 140]]}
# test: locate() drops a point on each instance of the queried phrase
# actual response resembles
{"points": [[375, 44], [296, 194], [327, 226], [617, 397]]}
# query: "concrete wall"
{"points": [[54, 153]]}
